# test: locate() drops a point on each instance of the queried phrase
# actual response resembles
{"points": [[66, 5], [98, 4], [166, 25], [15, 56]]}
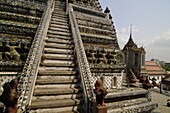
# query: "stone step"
{"points": [[60, 16], [57, 68], [59, 23], [59, 33], [58, 12], [68, 77], [59, 26], [58, 56], [59, 41], [59, 2], [59, 29], [56, 91], [130, 92], [48, 71], [54, 103], [59, 9], [59, 6], [55, 45], [59, 86], [73, 109], [59, 20], [124, 103], [56, 81], [56, 97], [63, 41], [65, 19], [59, 51], [144, 107]]}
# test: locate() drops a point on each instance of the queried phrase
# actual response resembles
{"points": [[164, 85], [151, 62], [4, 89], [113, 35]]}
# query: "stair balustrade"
{"points": [[30, 70], [84, 69]]}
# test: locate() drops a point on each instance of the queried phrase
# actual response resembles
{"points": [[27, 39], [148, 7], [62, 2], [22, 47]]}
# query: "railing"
{"points": [[30, 70], [84, 69]]}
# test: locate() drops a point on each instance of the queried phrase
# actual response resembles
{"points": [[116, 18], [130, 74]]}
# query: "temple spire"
{"points": [[131, 42], [130, 31]]}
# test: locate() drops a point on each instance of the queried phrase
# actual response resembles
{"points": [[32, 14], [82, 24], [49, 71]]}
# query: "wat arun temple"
{"points": [[57, 49]]}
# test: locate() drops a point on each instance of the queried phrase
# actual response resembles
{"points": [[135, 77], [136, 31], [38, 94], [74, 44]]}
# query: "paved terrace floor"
{"points": [[161, 99]]}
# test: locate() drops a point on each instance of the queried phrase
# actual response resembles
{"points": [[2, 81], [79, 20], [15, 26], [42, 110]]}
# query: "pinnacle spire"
{"points": [[131, 42], [130, 31]]}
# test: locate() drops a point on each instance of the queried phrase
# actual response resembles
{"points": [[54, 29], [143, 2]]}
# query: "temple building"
{"points": [[57, 49], [155, 72], [134, 58]]}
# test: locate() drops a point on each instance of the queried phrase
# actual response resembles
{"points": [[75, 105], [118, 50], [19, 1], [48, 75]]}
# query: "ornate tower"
{"points": [[134, 58]]}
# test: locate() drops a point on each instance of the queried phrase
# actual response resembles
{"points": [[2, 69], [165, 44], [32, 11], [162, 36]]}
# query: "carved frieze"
{"points": [[23, 4], [92, 4], [20, 10], [95, 19], [94, 24], [14, 50], [103, 58], [97, 31], [24, 31], [96, 40], [19, 18], [18, 24]]}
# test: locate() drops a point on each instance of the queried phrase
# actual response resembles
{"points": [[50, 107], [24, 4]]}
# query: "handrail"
{"points": [[30, 70], [84, 69]]}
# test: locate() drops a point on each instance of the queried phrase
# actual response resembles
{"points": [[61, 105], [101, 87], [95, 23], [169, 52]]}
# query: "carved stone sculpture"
{"points": [[91, 56], [12, 51], [100, 93], [102, 57], [10, 96]]}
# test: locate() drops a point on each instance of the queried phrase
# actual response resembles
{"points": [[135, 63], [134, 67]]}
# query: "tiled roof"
{"points": [[153, 69], [148, 63], [156, 72]]}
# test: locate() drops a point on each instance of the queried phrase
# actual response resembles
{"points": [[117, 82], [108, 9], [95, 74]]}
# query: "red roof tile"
{"points": [[153, 68], [150, 63]]}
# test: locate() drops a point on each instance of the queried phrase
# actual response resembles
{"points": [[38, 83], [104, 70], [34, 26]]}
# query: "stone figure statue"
{"points": [[91, 56], [12, 51], [102, 58], [10, 96], [100, 93]]}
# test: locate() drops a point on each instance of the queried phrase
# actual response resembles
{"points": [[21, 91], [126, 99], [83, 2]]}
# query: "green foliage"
{"points": [[165, 68]]}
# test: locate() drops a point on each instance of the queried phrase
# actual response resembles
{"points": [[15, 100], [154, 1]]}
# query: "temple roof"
{"points": [[154, 69], [132, 45]]}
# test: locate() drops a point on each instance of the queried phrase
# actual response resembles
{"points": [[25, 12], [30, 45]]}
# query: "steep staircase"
{"points": [[57, 88]]}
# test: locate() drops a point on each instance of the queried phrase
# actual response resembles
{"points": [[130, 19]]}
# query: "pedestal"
{"points": [[101, 109]]}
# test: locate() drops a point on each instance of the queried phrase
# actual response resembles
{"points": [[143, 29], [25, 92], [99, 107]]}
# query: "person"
{"points": [[100, 93]]}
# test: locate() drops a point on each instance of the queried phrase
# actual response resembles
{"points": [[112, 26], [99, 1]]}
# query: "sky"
{"points": [[150, 21]]}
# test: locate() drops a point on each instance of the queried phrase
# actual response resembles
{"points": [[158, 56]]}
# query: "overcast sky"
{"points": [[151, 24]]}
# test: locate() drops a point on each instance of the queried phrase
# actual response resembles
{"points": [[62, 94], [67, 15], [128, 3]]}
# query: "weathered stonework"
{"points": [[18, 22], [75, 45]]}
